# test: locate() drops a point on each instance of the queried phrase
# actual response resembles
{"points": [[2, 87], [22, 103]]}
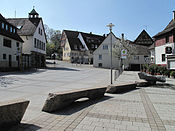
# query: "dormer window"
{"points": [[6, 27], [92, 46], [2, 25], [14, 30], [11, 29], [75, 46]]}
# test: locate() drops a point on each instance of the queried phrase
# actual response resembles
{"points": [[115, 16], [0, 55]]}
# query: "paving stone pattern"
{"points": [[115, 112], [144, 109]]}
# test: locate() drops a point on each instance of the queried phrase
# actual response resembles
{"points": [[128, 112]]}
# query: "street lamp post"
{"points": [[110, 28]]}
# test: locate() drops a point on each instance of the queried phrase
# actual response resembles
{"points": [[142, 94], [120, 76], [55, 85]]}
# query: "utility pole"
{"points": [[110, 28]]}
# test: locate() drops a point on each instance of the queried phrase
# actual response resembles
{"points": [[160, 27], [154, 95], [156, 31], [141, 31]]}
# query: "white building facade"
{"points": [[31, 30], [102, 55], [10, 46], [136, 54], [165, 46]]}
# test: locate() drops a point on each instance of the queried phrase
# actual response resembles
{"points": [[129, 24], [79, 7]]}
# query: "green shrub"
{"points": [[153, 69], [161, 69], [167, 73], [172, 74], [145, 67]]}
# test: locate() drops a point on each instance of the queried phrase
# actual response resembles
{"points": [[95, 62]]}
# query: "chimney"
{"points": [[122, 37], [104, 35], [173, 15], [90, 33]]}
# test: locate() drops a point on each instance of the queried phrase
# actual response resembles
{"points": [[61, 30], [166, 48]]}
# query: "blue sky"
{"points": [[129, 16]]}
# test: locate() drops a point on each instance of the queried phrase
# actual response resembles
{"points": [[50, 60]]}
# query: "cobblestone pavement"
{"points": [[144, 109]]}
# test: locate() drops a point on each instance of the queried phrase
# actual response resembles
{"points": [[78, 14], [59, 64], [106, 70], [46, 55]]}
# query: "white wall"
{"points": [[9, 51], [39, 37], [161, 50], [66, 51], [27, 45], [106, 55]]}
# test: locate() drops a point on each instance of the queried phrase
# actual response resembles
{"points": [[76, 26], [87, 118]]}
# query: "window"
{"points": [[44, 46], [75, 46], [35, 43], [17, 44], [167, 39], [6, 27], [11, 29], [14, 30], [92, 46], [4, 56], [17, 58], [136, 57], [99, 64], [39, 44], [100, 57], [2, 25], [105, 47], [7, 43], [96, 46], [174, 38], [163, 57], [41, 32]]}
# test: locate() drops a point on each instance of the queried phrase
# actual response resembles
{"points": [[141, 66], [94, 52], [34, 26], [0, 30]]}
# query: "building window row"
{"points": [[8, 28], [94, 46], [105, 47], [4, 56], [39, 44]]}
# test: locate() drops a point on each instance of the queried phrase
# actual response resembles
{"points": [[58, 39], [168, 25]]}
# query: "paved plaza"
{"points": [[143, 109]]}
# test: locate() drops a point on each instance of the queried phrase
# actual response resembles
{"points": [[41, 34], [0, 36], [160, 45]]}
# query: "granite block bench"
{"points": [[11, 112], [59, 100], [119, 88], [152, 79]]}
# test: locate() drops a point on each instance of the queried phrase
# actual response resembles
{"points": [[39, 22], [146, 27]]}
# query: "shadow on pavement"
{"points": [[125, 91], [61, 68], [79, 105], [24, 126], [26, 72], [164, 85]]}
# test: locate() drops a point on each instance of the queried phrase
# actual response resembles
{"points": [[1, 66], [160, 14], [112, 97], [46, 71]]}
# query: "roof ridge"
{"points": [[83, 32]]}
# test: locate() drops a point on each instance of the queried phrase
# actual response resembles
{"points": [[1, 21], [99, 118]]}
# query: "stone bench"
{"points": [[11, 112], [59, 100], [152, 79], [118, 88]]}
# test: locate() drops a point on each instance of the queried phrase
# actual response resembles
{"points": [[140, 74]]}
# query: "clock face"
{"points": [[168, 50]]}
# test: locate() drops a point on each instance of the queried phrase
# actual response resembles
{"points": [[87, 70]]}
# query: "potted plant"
{"points": [[172, 74], [153, 69], [167, 73]]}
